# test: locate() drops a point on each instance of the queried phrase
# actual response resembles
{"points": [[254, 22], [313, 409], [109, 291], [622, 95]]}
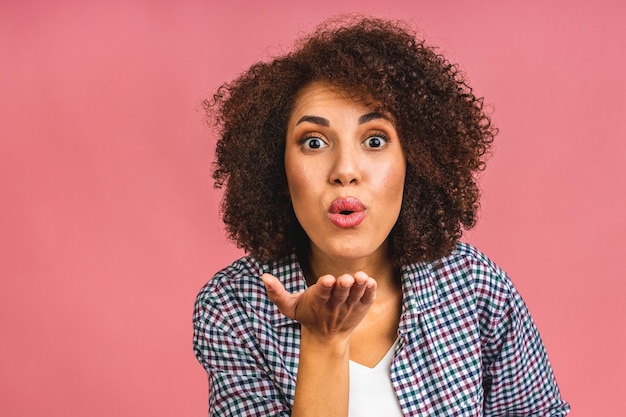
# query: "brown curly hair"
{"points": [[443, 127]]}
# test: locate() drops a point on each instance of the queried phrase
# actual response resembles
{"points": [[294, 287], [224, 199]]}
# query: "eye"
{"points": [[375, 141], [313, 143]]}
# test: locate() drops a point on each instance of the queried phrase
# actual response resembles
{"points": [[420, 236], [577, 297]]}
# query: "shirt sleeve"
{"points": [[518, 379], [239, 383]]}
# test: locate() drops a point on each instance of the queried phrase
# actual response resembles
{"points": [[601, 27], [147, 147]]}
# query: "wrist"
{"points": [[335, 345]]}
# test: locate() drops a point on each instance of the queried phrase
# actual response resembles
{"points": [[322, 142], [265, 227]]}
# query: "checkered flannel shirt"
{"points": [[467, 344]]}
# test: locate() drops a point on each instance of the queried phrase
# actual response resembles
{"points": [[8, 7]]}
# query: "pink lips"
{"points": [[346, 212]]}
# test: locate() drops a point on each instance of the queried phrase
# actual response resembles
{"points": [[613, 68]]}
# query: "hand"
{"points": [[330, 307]]}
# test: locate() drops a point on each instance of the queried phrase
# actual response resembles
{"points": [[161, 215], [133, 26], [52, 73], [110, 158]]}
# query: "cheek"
{"points": [[292, 173], [295, 180], [301, 182], [399, 178], [303, 173], [392, 180]]}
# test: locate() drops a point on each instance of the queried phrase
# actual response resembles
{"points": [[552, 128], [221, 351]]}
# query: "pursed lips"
{"points": [[346, 212]]}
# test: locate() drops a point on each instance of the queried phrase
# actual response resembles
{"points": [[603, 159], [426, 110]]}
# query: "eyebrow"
{"points": [[370, 116], [324, 122], [314, 119]]}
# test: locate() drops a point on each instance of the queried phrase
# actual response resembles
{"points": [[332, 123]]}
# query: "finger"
{"points": [[358, 288], [279, 295], [272, 284], [369, 295], [361, 277], [324, 289], [342, 289]]}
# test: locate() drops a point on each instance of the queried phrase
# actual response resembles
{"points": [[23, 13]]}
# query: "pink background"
{"points": [[109, 224]]}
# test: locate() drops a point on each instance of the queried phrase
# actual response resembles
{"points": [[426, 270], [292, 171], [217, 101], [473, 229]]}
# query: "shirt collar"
{"points": [[420, 293]]}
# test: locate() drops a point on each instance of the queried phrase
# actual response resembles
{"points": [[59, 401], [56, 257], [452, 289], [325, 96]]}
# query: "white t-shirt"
{"points": [[371, 392]]}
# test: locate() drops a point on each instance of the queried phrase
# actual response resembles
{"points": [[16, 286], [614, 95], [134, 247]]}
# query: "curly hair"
{"points": [[445, 133]]}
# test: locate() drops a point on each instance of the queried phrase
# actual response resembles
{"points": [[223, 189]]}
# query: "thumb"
{"points": [[285, 301]]}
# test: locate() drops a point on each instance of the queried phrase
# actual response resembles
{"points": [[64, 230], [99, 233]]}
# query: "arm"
{"points": [[328, 311], [240, 381], [518, 379]]}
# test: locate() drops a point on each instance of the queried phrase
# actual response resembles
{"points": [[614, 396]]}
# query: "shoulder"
{"points": [[229, 290], [238, 289], [497, 301], [470, 272], [243, 275], [472, 267], [464, 279], [466, 257], [240, 276]]}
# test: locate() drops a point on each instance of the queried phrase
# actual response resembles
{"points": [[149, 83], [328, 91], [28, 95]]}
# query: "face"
{"points": [[345, 170]]}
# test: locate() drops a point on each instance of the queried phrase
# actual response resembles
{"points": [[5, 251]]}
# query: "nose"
{"points": [[346, 167]]}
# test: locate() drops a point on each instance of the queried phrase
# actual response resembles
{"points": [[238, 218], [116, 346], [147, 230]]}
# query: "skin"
{"points": [[338, 147]]}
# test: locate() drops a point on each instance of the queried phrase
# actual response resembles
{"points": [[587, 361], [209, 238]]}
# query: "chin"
{"points": [[351, 252]]}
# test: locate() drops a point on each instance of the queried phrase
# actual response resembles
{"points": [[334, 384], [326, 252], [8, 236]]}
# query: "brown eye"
{"points": [[314, 143], [375, 142]]}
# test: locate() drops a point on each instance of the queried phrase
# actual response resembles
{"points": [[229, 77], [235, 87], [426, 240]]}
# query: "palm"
{"points": [[331, 306]]}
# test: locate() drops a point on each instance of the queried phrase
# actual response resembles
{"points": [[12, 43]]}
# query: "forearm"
{"points": [[322, 386], [328, 311]]}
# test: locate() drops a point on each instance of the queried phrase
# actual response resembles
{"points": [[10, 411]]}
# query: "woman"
{"points": [[348, 167]]}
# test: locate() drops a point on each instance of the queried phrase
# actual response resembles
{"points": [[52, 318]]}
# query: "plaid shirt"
{"points": [[467, 344]]}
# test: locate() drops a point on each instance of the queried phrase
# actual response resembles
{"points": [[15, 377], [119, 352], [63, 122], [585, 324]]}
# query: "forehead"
{"points": [[319, 96]]}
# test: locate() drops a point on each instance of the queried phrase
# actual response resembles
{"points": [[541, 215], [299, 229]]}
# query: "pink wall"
{"points": [[109, 225]]}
